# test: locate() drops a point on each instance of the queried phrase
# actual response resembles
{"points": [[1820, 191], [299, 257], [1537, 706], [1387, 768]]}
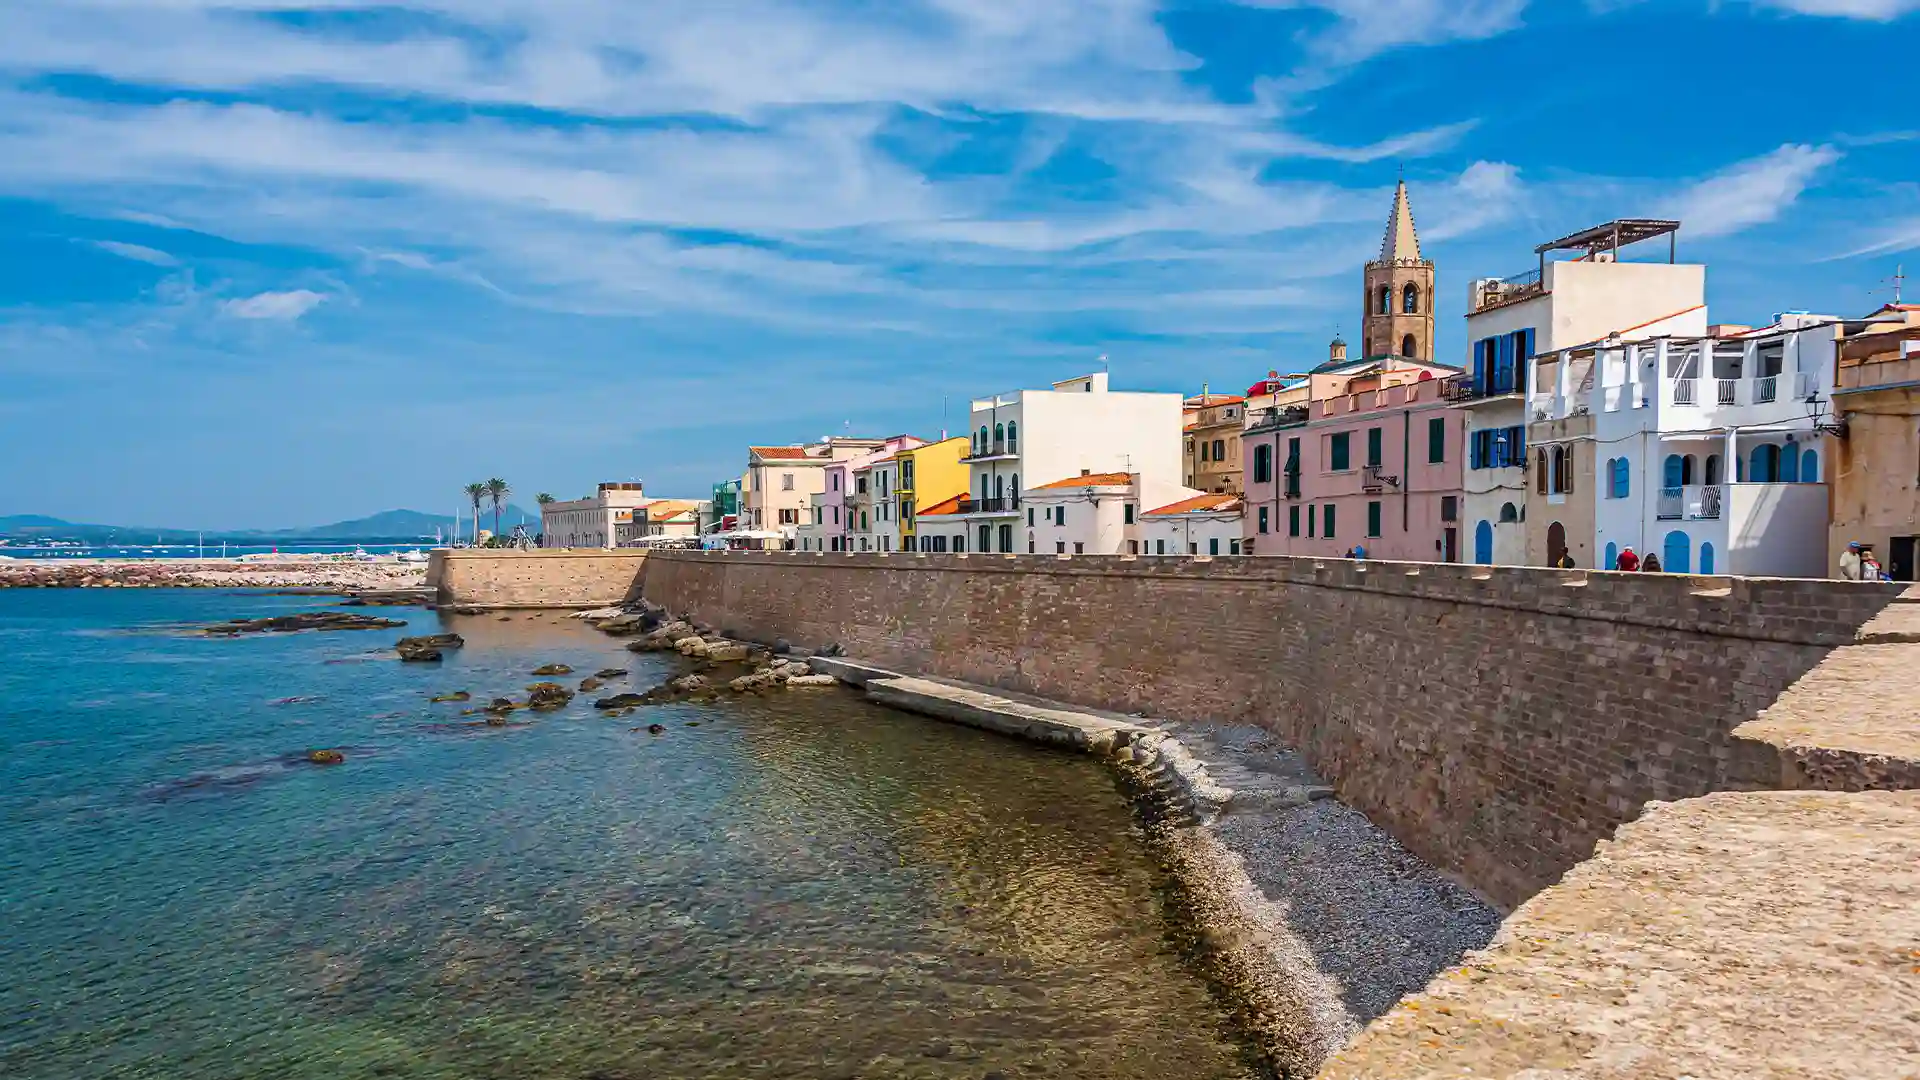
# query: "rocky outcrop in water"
{"points": [[317, 621], [457, 695], [427, 648], [547, 696], [326, 757], [553, 669]]}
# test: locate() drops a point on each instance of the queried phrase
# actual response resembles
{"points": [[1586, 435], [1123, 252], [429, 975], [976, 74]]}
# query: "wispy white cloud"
{"points": [[1754, 192], [282, 306], [1876, 10], [1362, 29], [136, 252]]}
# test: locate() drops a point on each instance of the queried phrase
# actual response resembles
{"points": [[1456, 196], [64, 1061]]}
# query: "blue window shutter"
{"points": [[1480, 364]]}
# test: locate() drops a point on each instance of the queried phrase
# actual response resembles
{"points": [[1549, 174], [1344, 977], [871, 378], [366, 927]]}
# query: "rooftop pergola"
{"points": [[1615, 235]]}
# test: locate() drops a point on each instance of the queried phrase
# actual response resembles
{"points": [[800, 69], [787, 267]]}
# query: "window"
{"points": [[786, 481], [859, 485], [960, 544], [1263, 519], [1293, 521], [1540, 472], [1310, 518], [1213, 545], [906, 474], [1060, 514], [1079, 548], [983, 440], [1013, 437], [1373, 518], [1193, 548], [1263, 464], [1127, 513], [1133, 547], [1016, 491], [1059, 547], [1029, 517], [1374, 436], [1449, 508], [1409, 347], [1160, 547], [864, 526], [1233, 547], [789, 517], [836, 515], [1508, 513], [1410, 299], [999, 487], [1326, 521], [1219, 450], [1618, 483], [999, 437], [1337, 452], [836, 481], [1386, 300], [1436, 439], [1203, 451]]}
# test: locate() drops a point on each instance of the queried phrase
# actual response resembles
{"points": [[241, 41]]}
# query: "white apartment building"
{"points": [[1511, 320], [592, 522], [1029, 438], [1705, 447], [817, 532], [939, 528], [1104, 514]]}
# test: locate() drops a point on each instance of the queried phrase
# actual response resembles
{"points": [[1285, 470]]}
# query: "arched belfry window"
{"points": [[1410, 299], [1386, 300], [1408, 346]]}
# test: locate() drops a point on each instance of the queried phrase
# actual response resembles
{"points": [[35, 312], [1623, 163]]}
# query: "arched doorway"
{"points": [[1809, 467], [1790, 466], [1706, 558], [1676, 553], [1556, 543], [1408, 346], [1613, 557], [1483, 543], [1764, 465]]}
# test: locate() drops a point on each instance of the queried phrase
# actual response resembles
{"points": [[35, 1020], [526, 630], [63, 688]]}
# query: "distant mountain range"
{"points": [[386, 525]]}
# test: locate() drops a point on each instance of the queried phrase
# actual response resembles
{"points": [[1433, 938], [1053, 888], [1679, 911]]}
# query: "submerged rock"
{"points": [[553, 669], [501, 705], [319, 621], [325, 757], [620, 701], [457, 695], [655, 729], [589, 683], [611, 673]]}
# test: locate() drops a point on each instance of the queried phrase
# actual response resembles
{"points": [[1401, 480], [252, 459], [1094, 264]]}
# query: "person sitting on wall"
{"points": [[1565, 562], [1627, 561], [1870, 566], [1650, 564], [1850, 561], [1356, 552]]}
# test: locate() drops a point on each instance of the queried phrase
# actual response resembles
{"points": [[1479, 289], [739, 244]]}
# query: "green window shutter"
{"points": [[1337, 452], [1373, 518], [1326, 525], [1436, 439], [1373, 447]]}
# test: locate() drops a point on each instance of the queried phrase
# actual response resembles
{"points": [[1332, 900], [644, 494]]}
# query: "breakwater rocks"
{"points": [[317, 621], [318, 574]]}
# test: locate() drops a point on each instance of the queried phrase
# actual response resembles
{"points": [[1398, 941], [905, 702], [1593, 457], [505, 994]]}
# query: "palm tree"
{"points": [[477, 493], [544, 498], [497, 490]]}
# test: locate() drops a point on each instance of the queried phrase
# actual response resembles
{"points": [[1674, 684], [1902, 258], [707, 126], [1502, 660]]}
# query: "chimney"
{"points": [[1206, 394], [1337, 352], [1086, 472]]}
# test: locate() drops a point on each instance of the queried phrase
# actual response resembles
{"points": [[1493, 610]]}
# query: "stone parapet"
{"points": [[570, 578]]}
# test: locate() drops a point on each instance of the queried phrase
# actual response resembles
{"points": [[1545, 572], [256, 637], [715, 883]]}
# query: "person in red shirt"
{"points": [[1627, 561]]}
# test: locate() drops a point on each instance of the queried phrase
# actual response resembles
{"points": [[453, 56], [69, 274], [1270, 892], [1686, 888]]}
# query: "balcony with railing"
{"points": [[1694, 502], [1290, 480], [1495, 292], [1001, 504], [996, 450], [1279, 417]]}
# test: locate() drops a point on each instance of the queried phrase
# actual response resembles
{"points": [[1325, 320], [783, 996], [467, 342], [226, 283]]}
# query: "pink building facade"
{"points": [[835, 520], [1374, 460]]}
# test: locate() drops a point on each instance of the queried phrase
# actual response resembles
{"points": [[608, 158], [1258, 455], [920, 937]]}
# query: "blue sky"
{"points": [[276, 262]]}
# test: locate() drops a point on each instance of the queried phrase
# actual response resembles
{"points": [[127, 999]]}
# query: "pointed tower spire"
{"points": [[1401, 242]]}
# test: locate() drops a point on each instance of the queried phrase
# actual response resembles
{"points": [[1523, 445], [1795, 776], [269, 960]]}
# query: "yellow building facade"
{"points": [[929, 475]]}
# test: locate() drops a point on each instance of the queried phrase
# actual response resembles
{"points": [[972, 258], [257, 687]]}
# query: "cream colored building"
{"points": [[592, 522], [777, 492], [1874, 440], [1214, 460]]}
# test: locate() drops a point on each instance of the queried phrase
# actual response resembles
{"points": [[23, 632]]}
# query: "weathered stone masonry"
{"points": [[519, 579], [1499, 721]]}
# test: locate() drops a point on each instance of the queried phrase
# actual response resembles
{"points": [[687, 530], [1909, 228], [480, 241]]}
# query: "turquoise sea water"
{"points": [[799, 886]]}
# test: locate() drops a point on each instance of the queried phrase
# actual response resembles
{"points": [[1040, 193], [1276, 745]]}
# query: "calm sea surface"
{"points": [[799, 886]]}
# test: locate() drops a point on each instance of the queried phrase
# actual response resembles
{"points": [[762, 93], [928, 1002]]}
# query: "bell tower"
{"points": [[1398, 313]]}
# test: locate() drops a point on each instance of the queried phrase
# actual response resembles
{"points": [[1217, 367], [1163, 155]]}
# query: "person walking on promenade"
{"points": [[1627, 561]]}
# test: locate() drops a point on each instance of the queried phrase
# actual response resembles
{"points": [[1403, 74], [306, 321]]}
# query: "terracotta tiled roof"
{"points": [[662, 509], [1099, 479], [951, 506], [780, 452], [1199, 504]]}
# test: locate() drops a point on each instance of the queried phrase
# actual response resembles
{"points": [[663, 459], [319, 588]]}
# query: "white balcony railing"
{"points": [[1766, 389], [1695, 502], [1726, 391], [1683, 391]]}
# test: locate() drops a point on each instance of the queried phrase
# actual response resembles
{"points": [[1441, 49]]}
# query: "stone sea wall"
{"points": [[586, 577], [1498, 721]]}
